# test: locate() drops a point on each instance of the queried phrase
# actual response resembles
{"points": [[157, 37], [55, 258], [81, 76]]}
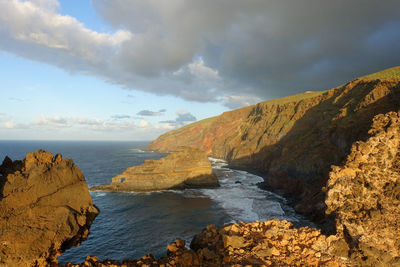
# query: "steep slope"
{"points": [[294, 139], [364, 194], [45, 208]]}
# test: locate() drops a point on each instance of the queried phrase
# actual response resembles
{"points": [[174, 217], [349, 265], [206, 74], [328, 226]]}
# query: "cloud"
{"points": [[81, 128], [183, 117], [121, 116], [151, 113], [207, 50], [238, 101], [4, 117]]}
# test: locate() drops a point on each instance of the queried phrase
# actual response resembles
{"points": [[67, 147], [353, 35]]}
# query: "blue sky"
{"points": [[32, 89], [132, 70]]}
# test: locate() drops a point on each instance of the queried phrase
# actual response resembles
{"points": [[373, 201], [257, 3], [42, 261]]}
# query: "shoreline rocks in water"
{"points": [[185, 167], [45, 208]]}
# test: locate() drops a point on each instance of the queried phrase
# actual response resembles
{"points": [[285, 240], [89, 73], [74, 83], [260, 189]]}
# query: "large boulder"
{"points": [[185, 167], [45, 208], [364, 194]]}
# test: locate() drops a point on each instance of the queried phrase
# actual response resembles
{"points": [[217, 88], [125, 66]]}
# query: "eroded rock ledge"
{"points": [[185, 167], [45, 208], [364, 193]]}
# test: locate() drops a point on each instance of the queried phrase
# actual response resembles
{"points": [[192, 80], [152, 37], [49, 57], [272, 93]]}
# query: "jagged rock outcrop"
{"points": [[45, 208], [295, 139], [364, 194], [185, 167], [270, 243]]}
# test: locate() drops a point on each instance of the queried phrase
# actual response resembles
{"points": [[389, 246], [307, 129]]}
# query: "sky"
{"points": [[134, 69]]}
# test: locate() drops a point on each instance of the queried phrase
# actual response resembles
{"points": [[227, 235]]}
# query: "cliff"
{"points": [[45, 208], [295, 139], [364, 194], [185, 167]]}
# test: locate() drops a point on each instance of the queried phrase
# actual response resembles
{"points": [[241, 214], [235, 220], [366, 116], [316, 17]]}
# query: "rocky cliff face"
{"points": [[295, 139], [45, 208], [364, 194], [184, 167]]}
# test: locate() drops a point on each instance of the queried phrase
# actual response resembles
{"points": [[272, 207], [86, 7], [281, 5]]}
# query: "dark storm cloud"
{"points": [[225, 50]]}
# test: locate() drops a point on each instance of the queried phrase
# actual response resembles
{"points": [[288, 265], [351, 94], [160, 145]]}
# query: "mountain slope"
{"points": [[294, 139]]}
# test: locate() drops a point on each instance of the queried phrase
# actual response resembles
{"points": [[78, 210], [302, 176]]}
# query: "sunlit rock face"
{"points": [[295, 139], [45, 208], [364, 194], [185, 167]]}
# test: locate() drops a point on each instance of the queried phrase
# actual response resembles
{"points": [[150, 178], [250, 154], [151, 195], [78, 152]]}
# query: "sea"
{"points": [[131, 225]]}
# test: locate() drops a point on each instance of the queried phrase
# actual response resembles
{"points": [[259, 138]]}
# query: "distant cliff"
{"points": [[295, 139]]}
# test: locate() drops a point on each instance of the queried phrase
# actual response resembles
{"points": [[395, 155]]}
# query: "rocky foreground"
{"points": [[185, 167], [270, 243], [45, 208]]}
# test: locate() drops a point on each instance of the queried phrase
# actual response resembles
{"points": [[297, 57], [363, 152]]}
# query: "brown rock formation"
{"points": [[294, 139], [45, 208], [364, 194], [184, 168], [270, 243]]}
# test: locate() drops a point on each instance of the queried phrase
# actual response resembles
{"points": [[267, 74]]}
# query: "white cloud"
{"points": [[10, 125], [84, 128], [143, 124], [4, 117], [238, 101]]}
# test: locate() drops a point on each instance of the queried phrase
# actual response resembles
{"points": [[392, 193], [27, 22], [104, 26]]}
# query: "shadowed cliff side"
{"points": [[45, 208], [294, 139]]}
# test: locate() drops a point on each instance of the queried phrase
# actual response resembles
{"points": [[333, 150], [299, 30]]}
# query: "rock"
{"points": [[364, 194], [248, 245], [295, 139], [45, 208], [234, 241], [186, 167]]}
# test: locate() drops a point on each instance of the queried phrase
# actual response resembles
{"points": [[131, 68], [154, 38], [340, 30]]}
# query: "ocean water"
{"points": [[131, 225]]}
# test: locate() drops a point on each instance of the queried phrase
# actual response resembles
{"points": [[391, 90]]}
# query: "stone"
{"points": [[234, 241], [45, 208], [185, 167], [366, 199]]}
